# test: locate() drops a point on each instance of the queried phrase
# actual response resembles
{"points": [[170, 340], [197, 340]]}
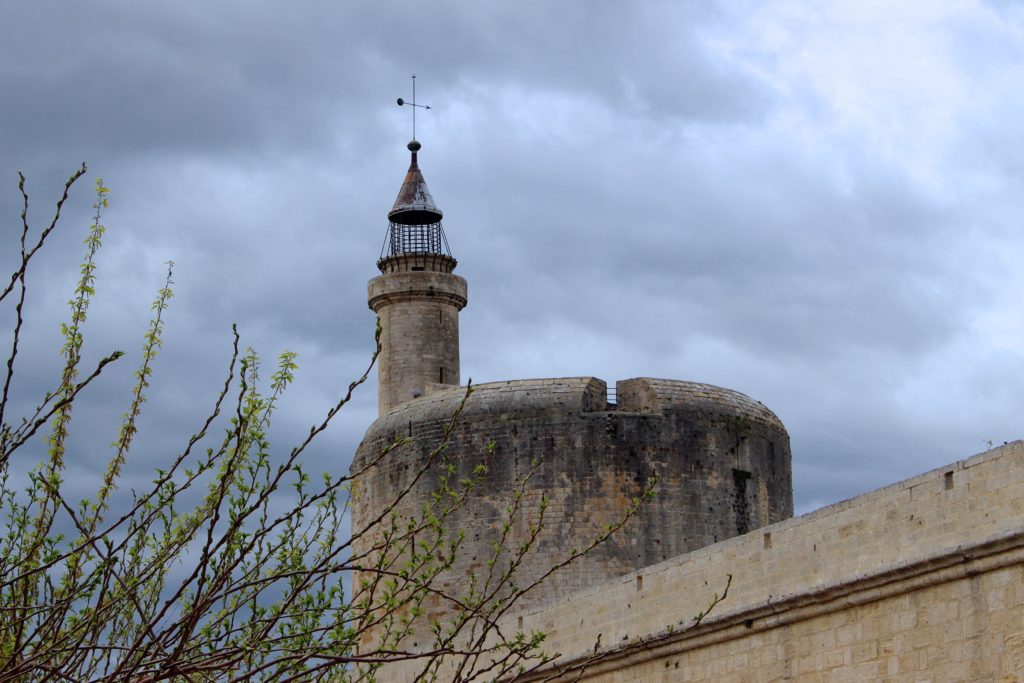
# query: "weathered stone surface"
{"points": [[419, 317], [922, 580], [721, 460]]}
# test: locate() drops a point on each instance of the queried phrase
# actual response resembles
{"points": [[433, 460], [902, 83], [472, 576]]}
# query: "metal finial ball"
{"points": [[414, 146], [400, 101]]}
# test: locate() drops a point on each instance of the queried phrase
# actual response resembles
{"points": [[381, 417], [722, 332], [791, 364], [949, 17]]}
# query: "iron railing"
{"points": [[415, 239]]}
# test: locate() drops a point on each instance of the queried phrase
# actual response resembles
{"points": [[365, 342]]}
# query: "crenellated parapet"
{"points": [[647, 394]]}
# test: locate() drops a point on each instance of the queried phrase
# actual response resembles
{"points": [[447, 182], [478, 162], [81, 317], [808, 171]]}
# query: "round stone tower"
{"points": [[573, 458], [721, 461], [417, 297]]}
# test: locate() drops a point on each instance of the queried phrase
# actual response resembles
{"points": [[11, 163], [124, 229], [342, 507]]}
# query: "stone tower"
{"points": [[581, 456], [417, 297]]}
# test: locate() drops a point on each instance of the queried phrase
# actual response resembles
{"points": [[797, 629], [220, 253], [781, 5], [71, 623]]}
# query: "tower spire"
{"points": [[415, 236], [417, 296], [414, 204]]}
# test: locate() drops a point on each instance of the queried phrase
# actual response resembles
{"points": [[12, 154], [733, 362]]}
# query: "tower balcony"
{"points": [[416, 247]]}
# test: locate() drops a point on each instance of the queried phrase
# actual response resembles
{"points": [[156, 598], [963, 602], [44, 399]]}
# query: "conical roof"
{"points": [[414, 205]]}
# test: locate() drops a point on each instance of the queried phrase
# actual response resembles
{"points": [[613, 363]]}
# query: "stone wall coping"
{"points": [[641, 394], [666, 393]]}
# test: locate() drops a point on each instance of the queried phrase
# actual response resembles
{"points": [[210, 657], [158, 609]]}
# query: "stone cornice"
{"points": [[406, 286], [386, 298]]}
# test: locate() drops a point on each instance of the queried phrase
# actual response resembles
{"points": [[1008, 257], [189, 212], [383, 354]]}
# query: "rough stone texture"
{"points": [[922, 580], [722, 462], [419, 317]]}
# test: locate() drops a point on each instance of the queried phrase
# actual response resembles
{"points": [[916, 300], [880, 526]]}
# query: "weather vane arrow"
{"points": [[413, 104]]}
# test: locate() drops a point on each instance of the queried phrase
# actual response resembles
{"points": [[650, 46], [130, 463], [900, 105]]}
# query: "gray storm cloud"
{"points": [[816, 205]]}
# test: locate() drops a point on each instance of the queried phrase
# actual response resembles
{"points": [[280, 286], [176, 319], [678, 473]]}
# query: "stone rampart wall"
{"points": [[922, 580]]}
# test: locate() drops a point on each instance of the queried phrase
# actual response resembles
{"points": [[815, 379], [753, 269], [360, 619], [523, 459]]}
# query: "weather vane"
{"points": [[413, 105]]}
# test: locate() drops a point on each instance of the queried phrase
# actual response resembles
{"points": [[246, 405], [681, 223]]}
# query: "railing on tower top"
{"points": [[415, 239]]}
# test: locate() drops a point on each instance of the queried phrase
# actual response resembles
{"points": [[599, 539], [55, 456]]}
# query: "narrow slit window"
{"points": [[440, 375]]}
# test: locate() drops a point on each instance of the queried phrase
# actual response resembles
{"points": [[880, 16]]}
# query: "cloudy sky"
{"points": [[818, 204]]}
